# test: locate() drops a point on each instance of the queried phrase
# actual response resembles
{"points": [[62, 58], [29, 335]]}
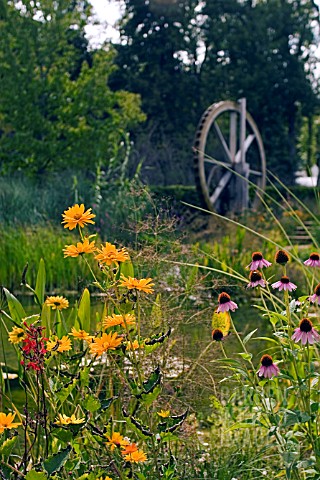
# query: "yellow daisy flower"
{"points": [[6, 421], [104, 343], [17, 335], [143, 285], [81, 334], [123, 320], [164, 413], [136, 457], [134, 345], [65, 420], [57, 302], [116, 440], [79, 249], [59, 345], [76, 215], [109, 254]]}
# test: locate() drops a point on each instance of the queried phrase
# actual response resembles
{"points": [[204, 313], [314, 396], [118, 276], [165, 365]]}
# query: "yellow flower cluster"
{"points": [[129, 451], [61, 345], [122, 320], [6, 421], [107, 341]]}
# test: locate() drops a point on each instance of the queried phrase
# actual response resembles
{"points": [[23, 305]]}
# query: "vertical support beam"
{"points": [[243, 112], [233, 136], [241, 197]]}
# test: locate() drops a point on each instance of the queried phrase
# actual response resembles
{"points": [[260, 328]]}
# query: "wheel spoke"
{"points": [[214, 161], [223, 142], [221, 185], [247, 144], [255, 172]]}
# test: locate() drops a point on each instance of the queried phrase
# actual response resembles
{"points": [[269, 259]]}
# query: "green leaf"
{"points": [[55, 462], [84, 311], [266, 339], [247, 337], [63, 434], [240, 425], [127, 269], [107, 402], [46, 319], [41, 281], [91, 404], [34, 475], [17, 312], [149, 398], [141, 430], [172, 423], [246, 356], [65, 391], [153, 380], [156, 315], [7, 446]]}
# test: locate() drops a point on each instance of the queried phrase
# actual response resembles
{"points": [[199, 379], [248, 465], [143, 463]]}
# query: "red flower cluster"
{"points": [[34, 348]]}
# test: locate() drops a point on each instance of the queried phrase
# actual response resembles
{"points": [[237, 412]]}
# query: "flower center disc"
{"points": [[285, 279], [257, 256], [266, 361], [224, 298], [305, 325], [314, 256]]}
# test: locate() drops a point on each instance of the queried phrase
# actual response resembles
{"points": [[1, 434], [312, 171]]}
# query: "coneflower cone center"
{"points": [[217, 335], [266, 361], [255, 276], [224, 298], [257, 256], [284, 279], [314, 256], [305, 325], [282, 257], [317, 290]]}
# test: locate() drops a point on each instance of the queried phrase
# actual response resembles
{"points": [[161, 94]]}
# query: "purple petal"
{"points": [[265, 263], [310, 337], [304, 338], [261, 371], [297, 335], [315, 334]]}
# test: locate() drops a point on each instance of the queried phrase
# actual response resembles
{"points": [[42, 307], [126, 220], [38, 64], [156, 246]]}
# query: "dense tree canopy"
{"points": [[56, 109], [183, 56]]}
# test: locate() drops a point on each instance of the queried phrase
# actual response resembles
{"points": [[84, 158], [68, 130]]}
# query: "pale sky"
{"points": [[107, 13]]}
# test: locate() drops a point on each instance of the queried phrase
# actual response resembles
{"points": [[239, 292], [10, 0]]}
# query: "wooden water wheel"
{"points": [[229, 158]]}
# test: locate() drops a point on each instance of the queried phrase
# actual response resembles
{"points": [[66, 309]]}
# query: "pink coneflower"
{"points": [[217, 335], [256, 279], [315, 298], [268, 369], [313, 260], [305, 332], [258, 261], [284, 284], [225, 303]]}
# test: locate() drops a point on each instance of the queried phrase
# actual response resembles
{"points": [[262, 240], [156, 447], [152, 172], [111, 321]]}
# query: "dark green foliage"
{"points": [[183, 56], [56, 109]]}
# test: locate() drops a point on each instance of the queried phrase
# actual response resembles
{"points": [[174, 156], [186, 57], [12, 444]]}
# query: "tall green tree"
{"points": [[56, 109], [157, 57]]}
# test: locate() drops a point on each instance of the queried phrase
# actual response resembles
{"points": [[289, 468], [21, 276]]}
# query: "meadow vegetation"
{"points": [[156, 367]]}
